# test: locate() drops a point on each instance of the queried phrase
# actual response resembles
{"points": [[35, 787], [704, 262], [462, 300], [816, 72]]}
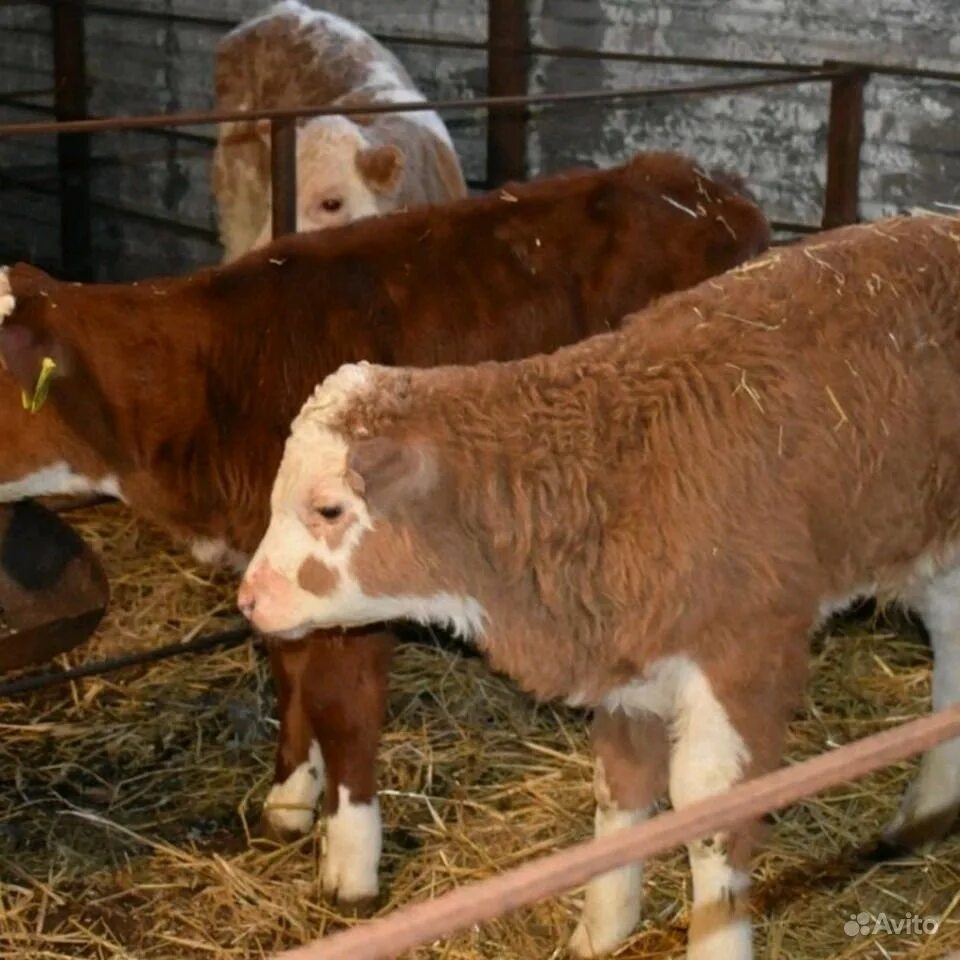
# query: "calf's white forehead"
{"points": [[313, 450], [312, 454], [334, 394]]}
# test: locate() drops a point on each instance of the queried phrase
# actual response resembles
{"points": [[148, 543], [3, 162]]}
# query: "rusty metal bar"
{"points": [[508, 33], [225, 639], [73, 149], [460, 909], [844, 140], [283, 176], [199, 118]]}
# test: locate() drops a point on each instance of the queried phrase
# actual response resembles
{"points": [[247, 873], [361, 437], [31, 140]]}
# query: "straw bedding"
{"points": [[128, 801]]}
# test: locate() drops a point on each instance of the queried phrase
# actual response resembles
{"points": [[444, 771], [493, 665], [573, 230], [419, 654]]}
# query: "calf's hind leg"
{"points": [[932, 802], [630, 775]]}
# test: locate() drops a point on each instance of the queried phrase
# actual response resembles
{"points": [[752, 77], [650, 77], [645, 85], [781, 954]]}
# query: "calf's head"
{"points": [[341, 175], [361, 530]]}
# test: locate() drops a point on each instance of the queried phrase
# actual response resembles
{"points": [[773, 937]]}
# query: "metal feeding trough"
{"points": [[53, 591]]}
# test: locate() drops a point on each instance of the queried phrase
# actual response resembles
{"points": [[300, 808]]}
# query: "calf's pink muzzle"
{"points": [[264, 595]]}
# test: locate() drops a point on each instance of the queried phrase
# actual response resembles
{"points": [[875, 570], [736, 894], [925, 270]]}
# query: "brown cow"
{"points": [[53, 590], [347, 167], [177, 393], [652, 523]]}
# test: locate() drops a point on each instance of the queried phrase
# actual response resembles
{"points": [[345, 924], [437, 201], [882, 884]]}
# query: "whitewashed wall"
{"points": [[154, 212]]}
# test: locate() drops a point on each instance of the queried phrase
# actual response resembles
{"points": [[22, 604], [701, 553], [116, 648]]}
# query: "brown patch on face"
{"points": [[317, 578]]}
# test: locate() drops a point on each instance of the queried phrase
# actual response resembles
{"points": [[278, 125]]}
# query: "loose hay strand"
{"points": [[179, 755]]}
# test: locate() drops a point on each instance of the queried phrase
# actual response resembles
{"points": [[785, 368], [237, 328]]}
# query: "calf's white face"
{"points": [[341, 177], [300, 573], [344, 547]]}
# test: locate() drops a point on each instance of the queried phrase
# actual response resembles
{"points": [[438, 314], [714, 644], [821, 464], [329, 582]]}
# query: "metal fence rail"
{"points": [[509, 51]]}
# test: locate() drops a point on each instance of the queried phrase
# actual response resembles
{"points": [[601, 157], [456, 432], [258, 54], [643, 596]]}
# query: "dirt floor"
{"points": [[127, 801]]}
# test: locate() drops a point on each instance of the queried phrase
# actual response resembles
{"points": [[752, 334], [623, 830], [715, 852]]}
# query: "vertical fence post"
{"points": [[73, 149], [283, 176], [507, 67], [844, 140]]}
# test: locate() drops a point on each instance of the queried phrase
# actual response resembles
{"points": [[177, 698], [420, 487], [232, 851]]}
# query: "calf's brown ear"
{"points": [[29, 281], [22, 352], [389, 472], [245, 131], [381, 167]]}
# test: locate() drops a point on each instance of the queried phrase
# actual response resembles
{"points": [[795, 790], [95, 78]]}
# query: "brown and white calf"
{"points": [[651, 523], [347, 167], [177, 394]]}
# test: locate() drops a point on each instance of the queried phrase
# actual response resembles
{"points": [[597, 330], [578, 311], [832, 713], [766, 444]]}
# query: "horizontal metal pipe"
{"points": [[198, 118], [224, 639]]}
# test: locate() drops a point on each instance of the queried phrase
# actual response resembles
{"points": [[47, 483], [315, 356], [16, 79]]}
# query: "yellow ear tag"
{"points": [[42, 389]]}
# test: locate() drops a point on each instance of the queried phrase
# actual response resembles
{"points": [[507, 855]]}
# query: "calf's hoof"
{"points": [[276, 831], [586, 943], [361, 908], [905, 835], [927, 813], [354, 892]]}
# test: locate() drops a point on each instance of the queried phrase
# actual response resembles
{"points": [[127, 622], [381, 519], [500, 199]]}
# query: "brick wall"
{"points": [[153, 210]]}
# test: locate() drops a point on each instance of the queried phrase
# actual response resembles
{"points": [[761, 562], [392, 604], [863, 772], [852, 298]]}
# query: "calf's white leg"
{"points": [[630, 756], [290, 809], [709, 756], [352, 854], [932, 802]]}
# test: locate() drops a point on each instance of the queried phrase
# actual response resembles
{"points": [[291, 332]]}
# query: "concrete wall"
{"points": [[153, 207]]}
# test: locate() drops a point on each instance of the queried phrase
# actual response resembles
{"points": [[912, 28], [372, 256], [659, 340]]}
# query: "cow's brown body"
{"points": [[179, 393], [652, 523]]}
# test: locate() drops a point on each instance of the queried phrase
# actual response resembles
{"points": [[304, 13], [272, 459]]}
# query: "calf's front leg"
{"points": [[630, 775], [333, 693], [346, 683], [290, 809]]}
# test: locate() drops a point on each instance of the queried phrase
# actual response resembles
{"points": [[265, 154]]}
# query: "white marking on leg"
{"points": [[717, 932], [291, 806], [8, 302], [709, 754], [352, 858], [708, 757], [934, 796], [58, 480], [611, 905]]}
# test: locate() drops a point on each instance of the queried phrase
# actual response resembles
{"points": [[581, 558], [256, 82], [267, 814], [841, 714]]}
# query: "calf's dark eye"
{"points": [[332, 205], [330, 513]]}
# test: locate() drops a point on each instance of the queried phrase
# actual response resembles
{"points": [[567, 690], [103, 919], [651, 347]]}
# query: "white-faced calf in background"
{"points": [[347, 167], [652, 523]]}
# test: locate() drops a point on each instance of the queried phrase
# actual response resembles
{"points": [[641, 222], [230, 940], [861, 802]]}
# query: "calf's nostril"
{"points": [[247, 602]]}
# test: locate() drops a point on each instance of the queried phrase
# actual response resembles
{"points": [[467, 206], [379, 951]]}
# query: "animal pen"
{"points": [[144, 790]]}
